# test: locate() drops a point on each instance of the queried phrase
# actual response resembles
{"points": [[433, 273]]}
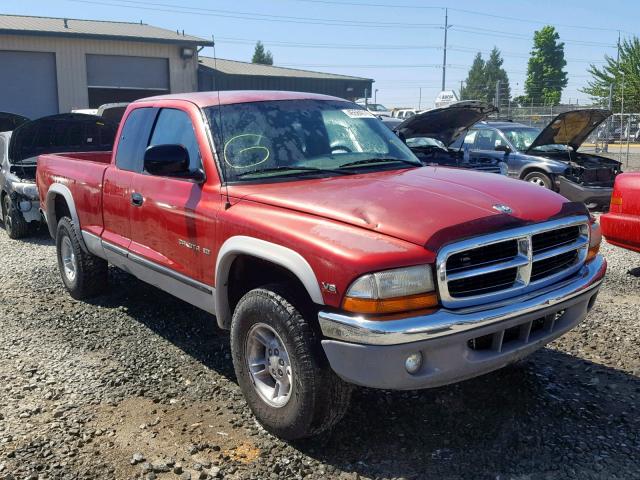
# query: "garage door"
{"points": [[116, 78], [28, 83]]}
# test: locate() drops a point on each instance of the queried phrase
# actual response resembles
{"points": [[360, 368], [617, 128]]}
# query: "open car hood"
{"points": [[571, 128], [11, 121], [65, 132], [446, 123]]}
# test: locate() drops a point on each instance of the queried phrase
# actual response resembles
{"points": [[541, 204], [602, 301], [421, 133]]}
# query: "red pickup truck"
{"points": [[313, 233]]}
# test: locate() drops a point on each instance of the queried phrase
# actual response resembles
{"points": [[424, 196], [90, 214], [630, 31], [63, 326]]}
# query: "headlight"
{"points": [[595, 238], [28, 190], [392, 291]]}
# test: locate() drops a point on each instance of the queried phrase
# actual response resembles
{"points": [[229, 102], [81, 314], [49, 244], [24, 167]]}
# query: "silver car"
{"points": [[19, 150]]}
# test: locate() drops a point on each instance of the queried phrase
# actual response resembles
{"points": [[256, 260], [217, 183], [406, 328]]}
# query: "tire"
{"points": [[14, 223], [83, 274], [317, 397], [539, 178]]}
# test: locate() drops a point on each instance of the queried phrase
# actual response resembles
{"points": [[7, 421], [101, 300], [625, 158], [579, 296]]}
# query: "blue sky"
{"points": [[402, 40]]}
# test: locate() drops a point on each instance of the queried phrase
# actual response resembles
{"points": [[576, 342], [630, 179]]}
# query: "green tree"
{"points": [[482, 79], [625, 72], [546, 77], [494, 73], [475, 86], [262, 56]]}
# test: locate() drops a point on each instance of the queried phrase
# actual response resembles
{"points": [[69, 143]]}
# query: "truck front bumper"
{"points": [[456, 344]]}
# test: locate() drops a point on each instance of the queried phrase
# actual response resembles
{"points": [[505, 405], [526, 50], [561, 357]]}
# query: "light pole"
{"points": [[375, 96]]}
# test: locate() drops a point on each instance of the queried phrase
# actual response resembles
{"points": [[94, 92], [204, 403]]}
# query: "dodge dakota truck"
{"points": [[333, 256]]}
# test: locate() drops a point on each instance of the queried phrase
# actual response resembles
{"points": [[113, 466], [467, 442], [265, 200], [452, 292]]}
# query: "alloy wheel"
{"points": [[269, 365]]}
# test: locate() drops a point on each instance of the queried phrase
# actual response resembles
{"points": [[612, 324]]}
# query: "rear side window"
{"points": [[486, 140], [174, 127], [133, 139]]}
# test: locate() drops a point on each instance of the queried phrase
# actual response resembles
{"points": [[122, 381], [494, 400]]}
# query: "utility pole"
{"points": [[420, 100], [606, 141], [497, 99], [460, 93], [444, 56]]}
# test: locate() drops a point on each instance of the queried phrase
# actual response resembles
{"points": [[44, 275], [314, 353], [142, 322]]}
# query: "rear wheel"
{"points": [[14, 223], [280, 368], [538, 178], [83, 274]]}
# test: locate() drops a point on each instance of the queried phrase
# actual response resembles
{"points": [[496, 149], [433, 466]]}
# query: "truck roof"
{"points": [[207, 99]]}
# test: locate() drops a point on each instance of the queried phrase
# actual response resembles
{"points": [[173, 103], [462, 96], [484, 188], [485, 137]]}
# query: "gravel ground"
{"points": [[139, 385]]}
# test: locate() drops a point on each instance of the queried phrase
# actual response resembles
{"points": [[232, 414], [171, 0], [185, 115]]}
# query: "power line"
{"points": [[488, 32], [461, 10], [344, 46], [173, 8]]}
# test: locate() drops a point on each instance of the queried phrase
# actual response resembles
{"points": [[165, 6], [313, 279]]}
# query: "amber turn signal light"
{"points": [[390, 305], [593, 251]]}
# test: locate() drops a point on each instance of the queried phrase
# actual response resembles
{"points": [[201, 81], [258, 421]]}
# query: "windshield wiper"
{"points": [[374, 160], [292, 168]]}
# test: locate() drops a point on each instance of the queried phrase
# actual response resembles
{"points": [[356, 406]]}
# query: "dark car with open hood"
{"points": [[19, 150], [431, 136], [549, 157]]}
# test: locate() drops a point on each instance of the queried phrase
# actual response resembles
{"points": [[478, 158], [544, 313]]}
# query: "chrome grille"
{"points": [[505, 264]]}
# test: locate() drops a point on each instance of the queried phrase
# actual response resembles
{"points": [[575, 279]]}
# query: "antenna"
{"points": [[223, 161]]}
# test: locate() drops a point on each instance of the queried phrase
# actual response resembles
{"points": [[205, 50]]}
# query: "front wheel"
{"points": [[280, 368], [14, 223], [538, 178], [83, 274]]}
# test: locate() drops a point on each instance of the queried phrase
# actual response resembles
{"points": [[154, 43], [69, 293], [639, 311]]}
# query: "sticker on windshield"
{"points": [[358, 113]]}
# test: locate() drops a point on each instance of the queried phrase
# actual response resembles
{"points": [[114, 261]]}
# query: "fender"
{"points": [[283, 256], [50, 214]]}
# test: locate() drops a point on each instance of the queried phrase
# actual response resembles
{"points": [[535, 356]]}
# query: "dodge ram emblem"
{"points": [[502, 208]]}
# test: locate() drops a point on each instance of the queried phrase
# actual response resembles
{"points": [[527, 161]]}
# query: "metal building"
{"points": [[52, 65], [221, 74]]}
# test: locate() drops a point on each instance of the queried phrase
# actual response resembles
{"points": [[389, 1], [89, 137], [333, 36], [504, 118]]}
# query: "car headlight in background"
{"points": [[28, 190], [595, 239], [392, 291]]}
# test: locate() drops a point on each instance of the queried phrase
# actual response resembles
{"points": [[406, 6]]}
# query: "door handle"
{"points": [[137, 200]]}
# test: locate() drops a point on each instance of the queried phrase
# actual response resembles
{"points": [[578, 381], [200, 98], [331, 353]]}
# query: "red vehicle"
{"points": [[313, 233], [621, 225]]}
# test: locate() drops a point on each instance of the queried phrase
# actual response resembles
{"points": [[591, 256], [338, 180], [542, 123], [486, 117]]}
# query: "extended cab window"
{"points": [[134, 138], [174, 127]]}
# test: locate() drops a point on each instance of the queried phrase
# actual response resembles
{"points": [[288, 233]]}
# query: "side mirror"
{"points": [[503, 148], [170, 161]]}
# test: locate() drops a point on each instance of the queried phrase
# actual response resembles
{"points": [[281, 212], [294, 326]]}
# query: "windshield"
{"points": [[521, 138], [376, 107], [303, 137]]}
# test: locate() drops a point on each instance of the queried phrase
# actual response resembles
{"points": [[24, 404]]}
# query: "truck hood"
{"points": [[447, 123], [65, 132], [427, 206], [571, 128]]}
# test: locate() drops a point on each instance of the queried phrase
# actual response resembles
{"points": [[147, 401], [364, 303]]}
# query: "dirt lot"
{"points": [[137, 384]]}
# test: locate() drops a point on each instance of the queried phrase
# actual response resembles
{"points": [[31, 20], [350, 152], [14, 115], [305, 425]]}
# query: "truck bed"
{"points": [[81, 173]]}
